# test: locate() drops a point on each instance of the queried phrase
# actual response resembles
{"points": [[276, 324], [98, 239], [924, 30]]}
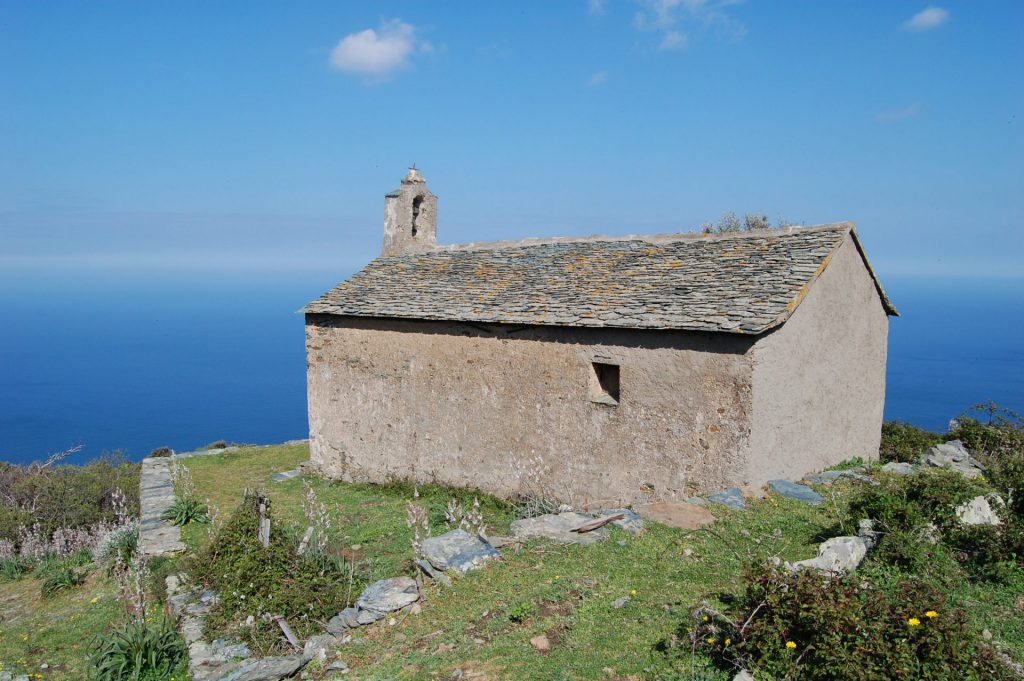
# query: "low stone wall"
{"points": [[157, 537]]}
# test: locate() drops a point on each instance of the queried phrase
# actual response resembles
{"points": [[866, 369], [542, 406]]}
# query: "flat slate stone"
{"points": [[898, 468], [681, 514], [286, 475], [458, 550], [267, 669], [386, 596], [829, 477], [792, 490], [557, 526], [732, 497]]}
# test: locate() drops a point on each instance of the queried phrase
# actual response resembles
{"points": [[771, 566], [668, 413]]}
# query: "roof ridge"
{"points": [[667, 237]]}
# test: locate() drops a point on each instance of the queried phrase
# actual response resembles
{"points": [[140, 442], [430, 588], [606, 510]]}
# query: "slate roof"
{"points": [[737, 283]]}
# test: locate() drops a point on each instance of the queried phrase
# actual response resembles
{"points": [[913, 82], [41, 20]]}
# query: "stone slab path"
{"points": [[157, 537]]}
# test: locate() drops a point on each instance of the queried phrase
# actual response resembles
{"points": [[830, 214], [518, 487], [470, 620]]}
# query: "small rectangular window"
{"points": [[605, 383]]}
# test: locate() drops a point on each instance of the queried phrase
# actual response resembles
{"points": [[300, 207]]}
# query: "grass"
{"points": [[56, 631], [478, 625]]}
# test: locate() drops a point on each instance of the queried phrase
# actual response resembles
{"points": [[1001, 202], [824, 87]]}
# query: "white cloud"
{"points": [[890, 116], [599, 78], [926, 19], [670, 17], [378, 54], [596, 7], [674, 40]]}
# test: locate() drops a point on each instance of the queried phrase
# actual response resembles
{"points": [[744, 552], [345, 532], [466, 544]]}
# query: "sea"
{"points": [[126, 361]]}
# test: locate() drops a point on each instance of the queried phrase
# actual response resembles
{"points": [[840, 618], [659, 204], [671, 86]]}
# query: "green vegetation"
{"points": [[903, 442], [141, 649], [51, 496], [811, 626], [251, 579], [186, 510]]}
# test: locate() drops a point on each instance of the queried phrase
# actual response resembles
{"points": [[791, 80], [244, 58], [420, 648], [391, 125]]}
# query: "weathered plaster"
{"points": [[819, 379], [470, 405]]}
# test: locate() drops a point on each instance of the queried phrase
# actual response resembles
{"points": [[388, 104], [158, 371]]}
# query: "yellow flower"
{"points": [[706, 618], [632, 592], [711, 641], [931, 614], [913, 621], [94, 601], [728, 641], [790, 645], [557, 577]]}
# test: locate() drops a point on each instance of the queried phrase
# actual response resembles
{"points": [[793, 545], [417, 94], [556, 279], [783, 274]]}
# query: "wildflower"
{"points": [[728, 641], [706, 618], [790, 645], [931, 614], [711, 641], [94, 601], [558, 577], [632, 592], [913, 621]]}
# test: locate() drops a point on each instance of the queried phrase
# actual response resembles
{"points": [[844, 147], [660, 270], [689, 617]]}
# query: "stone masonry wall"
{"points": [[470, 405]]}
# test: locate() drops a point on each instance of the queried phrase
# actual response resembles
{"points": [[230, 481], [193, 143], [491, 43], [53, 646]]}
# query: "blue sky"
{"points": [[263, 136]]}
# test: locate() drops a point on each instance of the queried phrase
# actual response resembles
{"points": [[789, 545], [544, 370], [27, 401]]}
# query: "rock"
{"points": [[838, 554], [557, 528], [541, 643], [792, 490], [458, 550], [632, 522], [898, 468], [336, 666], [978, 511], [267, 669], [681, 514], [732, 497], [620, 603], [343, 621], [498, 542], [437, 576], [744, 675], [829, 477], [21, 677], [227, 651], [6, 676], [386, 596], [318, 646], [986, 634], [868, 531], [697, 500], [953, 456], [286, 475]]}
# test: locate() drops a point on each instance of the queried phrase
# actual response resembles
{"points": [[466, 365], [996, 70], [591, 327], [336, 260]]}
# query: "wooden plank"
{"points": [[598, 522]]}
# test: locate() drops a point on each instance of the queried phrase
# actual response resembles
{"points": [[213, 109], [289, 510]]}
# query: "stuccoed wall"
{"points": [[819, 380], [471, 406]]}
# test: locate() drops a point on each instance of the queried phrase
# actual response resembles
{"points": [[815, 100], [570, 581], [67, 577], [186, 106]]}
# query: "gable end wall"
{"points": [[819, 379]]}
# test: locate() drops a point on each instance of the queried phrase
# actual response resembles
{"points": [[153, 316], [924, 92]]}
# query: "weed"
{"points": [[185, 511], [140, 649], [904, 442], [61, 580]]}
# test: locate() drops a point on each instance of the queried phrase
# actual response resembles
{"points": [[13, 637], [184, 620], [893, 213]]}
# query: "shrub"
{"points": [[65, 497], [916, 513], [905, 443], [119, 546], [186, 510], [139, 650], [62, 579], [806, 625], [161, 452], [217, 444], [12, 568], [253, 580]]}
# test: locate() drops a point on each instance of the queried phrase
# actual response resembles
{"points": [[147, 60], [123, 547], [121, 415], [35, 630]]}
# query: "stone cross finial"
{"points": [[410, 217]]}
